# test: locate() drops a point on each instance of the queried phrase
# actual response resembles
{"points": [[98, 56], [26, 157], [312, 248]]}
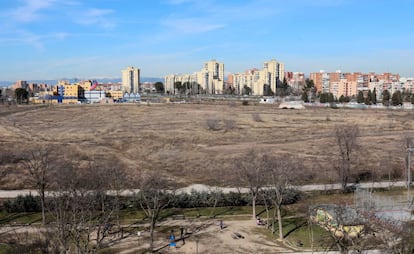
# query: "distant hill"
{"points": [[74, 80]]}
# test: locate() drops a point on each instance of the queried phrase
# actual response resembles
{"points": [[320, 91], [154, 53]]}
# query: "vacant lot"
{"points": [[199, 143]]}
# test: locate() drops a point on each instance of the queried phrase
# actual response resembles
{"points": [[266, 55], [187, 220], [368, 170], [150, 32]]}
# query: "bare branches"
{"points": [[37, 163], [251, 168], [346, 138], [153, 197]]}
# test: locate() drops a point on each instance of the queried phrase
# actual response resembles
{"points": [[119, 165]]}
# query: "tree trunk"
{"points": [[279, 221], [42, 203], [254, 197], [152, 227]]}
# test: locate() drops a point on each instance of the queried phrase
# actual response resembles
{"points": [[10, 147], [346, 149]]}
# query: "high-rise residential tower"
{"points": [[130, 80], [213, 77]]}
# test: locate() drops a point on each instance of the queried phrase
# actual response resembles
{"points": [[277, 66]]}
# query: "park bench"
{"points": [[178, 217]]}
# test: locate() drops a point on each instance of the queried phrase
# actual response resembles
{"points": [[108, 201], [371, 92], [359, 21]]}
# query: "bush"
{"points": [[213, 124], [23, 204], [257, 118]]}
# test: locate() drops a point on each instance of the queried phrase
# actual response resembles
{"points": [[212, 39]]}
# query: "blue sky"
{"points": [[53, 39]]}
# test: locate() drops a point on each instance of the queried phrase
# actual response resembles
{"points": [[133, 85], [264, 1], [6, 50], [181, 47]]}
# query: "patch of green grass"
{"points": [[298, 233], [20, 218], [5, 248]]}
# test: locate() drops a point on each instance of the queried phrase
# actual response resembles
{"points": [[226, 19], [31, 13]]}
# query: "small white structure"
{"points": [[269, 100], [94, 96], [131, 97], [292, 105]]}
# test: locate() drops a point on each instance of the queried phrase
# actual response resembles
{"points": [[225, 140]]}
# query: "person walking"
{"points": [[182, 234]]}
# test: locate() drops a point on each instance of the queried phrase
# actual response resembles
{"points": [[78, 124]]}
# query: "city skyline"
{"points": [[50, 39]]}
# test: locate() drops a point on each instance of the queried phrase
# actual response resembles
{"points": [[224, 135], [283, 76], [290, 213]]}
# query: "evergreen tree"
{"points": [[386, 98], [305, 97], [397, 98], [322, 98], [374, 96], [369, 98], [360, 97], [309, 87], [331, 98]]}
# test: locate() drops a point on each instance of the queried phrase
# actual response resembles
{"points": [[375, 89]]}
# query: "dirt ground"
{"points": [[198, 143], [207, 237]]}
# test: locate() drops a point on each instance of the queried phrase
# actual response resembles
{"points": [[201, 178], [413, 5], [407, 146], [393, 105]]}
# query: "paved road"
{"points": [[202, 187]]}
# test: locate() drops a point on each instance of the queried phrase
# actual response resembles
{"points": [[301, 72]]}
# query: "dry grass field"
{"points": [[199, 143]]}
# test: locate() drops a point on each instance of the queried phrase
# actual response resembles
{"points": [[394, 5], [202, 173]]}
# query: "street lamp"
{"points": [[409, 150]]}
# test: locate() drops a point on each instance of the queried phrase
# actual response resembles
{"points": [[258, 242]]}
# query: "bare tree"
{"points": [[282, 171], [251, 169], [82, 212], [37, 163], [346, 138], [154, 195]]}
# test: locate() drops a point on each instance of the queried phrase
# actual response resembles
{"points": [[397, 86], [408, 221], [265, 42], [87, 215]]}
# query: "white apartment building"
{"points": [[131, 80], [210, 80]]}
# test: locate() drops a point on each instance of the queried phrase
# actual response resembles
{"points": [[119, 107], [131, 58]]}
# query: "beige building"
{"points": [[346, 88], [212, 77], [131, 80], [260, 82]]}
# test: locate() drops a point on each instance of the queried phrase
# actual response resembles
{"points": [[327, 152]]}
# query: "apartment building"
{"points": [[131, 80], [212, 77], [210, 80], [350, 84], [296, 80], [261, 82]]}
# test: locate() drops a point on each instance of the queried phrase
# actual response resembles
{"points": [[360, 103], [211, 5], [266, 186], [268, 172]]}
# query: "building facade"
{"points": [[210, 80], [131, 80], [260, 82]]}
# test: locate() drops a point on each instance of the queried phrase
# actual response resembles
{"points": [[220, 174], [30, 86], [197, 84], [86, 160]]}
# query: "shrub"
{"points": [[257, 118], [229, 124], [213, 124], [22, 204]]}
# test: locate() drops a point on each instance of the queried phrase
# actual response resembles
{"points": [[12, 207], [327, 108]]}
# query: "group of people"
{"points": [[172, 237], [259, 221]]}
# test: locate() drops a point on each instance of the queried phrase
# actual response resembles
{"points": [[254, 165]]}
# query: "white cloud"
{"points": [[96, 17], [30, 9], [190, 25]]}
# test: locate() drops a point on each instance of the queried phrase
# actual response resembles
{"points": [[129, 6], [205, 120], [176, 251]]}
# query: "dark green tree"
{"points": [[397, 98], [331, 98], [323, 98], [344, 99], [308, 88], [283, 88], [406, 95], [247, 90], [374, 96], [22, 96], [386, 98], [360, 97], [305, 97], [159, 87], [326, 98]]}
